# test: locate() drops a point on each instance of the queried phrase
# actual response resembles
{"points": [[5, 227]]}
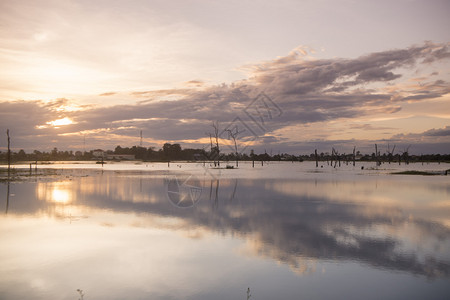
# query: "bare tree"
{"points": [[405, 155], [334, 152], [233, 134], [377, 156], [390, 153], [215, 150], [332, 156], [354, 155], [210, 142]]}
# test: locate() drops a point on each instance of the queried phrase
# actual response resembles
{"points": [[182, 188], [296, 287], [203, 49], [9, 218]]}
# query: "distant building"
{"points": [[120, 157], [98, 153]]}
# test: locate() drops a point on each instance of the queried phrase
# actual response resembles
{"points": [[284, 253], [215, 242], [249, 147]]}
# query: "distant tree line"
{"points": [[54, 154], [172, 152], [166, 153]]}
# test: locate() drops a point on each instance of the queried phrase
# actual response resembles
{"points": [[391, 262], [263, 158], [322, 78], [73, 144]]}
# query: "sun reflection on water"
{"points": [[56, 192], [60, 196]]}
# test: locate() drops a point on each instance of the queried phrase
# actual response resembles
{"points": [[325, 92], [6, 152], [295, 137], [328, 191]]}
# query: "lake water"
{"points": [[187, 231]]}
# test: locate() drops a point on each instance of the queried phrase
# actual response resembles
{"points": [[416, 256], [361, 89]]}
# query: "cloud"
{"points": [[161, 93], [429, 141], [438, 132], [369, 127], [108, 94], [300, 91], [300, 77], [195, 83]]}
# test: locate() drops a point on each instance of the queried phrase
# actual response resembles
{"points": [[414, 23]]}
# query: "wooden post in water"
{"points": [[9, 153]]}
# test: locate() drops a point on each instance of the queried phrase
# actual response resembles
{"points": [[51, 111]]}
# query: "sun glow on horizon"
{"points": [[60, 122], [56, 123]]}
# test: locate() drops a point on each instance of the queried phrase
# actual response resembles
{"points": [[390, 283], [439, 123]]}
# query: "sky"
{"points": [[286, 76]]}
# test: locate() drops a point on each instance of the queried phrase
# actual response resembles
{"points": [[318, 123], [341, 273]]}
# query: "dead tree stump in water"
{"points": [[317, 159], [354, 155]]}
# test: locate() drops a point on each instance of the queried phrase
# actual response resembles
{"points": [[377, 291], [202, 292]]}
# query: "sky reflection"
{"points": [[120, 223]]}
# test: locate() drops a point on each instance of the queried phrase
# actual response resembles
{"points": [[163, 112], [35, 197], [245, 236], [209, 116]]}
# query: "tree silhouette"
{"points": [[233, 134], [215, 150]]}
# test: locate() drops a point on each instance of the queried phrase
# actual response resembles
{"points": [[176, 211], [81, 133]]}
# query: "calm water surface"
{"points": [[286, 231]]}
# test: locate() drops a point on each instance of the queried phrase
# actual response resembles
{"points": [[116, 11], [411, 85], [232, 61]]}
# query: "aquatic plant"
{"points": [[81, 294]]}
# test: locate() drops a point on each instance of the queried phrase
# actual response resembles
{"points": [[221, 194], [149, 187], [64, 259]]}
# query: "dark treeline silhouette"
{"points": [[166, 153], [172, 152], [54, 154]]}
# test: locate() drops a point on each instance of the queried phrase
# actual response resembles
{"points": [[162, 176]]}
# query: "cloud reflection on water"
{"points": [[393, 225]]}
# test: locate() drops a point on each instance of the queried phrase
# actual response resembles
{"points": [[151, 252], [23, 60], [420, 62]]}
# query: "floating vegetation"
{"points": [[81, 294], [423, 173], [23, 174]]}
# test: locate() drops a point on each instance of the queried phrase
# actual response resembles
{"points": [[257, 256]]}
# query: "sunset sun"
{"points": [[60, 122]]}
